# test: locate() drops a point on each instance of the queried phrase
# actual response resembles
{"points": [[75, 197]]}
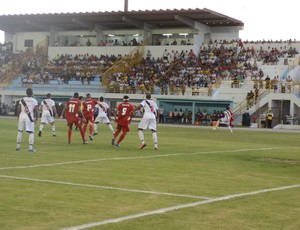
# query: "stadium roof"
{"points": [[115, 20]]}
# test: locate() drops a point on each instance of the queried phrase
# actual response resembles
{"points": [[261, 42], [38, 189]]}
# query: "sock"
{"points": [[69, 135], [111, 128], [116, 133], [84, 128], [19, 136], [91, 130], [31, 140], [82, 134], [141, 136], [154, 136], [41, 127], [53, 129], [95, 128], [121, 138]]}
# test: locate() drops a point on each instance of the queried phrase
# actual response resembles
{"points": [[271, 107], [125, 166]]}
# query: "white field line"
{"points": [[132, 158], [172, 208], [104, 187]]}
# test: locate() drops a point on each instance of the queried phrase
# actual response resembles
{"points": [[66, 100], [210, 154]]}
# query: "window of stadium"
{"points": [[28, 43]]}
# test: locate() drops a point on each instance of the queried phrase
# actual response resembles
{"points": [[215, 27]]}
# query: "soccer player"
{"points": [[74, 116], [81, 107], [123, 118], [48, 113], [227, 119], [102, 117], [88, 107], [149, 120], [27, 112]]}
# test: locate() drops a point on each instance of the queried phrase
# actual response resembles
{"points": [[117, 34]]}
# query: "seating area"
{"points": [[183, 74]]}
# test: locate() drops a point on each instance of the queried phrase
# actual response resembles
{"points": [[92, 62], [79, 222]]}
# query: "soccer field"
{"points": [[198, 179]]}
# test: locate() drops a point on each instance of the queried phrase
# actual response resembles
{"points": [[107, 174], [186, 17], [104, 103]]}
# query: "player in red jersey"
{"points": [[123, 119], [72, 112], [88, 108]]}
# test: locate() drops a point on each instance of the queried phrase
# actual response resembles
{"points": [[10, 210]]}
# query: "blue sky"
{"points": [[262, 19]]}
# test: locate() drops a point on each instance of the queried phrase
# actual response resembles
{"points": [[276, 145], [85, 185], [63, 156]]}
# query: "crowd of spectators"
{"points": [[63, 68], [174, 71], [6, 58], [7, 109]]}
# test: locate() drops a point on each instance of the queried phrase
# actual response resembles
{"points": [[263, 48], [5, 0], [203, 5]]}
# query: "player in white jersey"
{"points": [[102, 117], [149, 120], [27, 112], [48, 113], [227, 119]]}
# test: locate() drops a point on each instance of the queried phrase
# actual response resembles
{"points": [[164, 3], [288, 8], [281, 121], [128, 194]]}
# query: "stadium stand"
{"points": [[221, 69]]}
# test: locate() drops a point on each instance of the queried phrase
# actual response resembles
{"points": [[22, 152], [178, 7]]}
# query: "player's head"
{"points": [[101, 99], [80, 98], [76, 95], [148, 96], [88, 95], [48, 95], [125, 98], [29, 92], [227, 107]]}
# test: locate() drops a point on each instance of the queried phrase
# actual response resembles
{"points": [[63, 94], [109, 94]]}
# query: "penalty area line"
{"points": [[172, 208], [104, 187]]}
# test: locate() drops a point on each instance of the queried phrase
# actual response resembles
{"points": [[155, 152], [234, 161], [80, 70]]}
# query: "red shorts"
{"points": [[74, 120], [124, 128], [89, 118]]}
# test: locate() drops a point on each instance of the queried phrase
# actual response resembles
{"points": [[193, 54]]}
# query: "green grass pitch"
{"points": [[198, 179]]}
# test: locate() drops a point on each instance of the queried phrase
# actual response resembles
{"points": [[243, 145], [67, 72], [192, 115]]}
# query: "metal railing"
{"points": [[124, 64]]}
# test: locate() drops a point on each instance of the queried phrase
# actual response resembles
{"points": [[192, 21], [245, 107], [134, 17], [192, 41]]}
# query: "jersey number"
{"points": [[71, 108]]}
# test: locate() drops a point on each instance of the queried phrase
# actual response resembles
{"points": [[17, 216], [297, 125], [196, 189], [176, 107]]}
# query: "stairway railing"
{"points": [[124, 64]]}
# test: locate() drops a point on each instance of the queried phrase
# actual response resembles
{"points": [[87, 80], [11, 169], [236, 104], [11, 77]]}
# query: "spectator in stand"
{"points": [[174, 43], [88, 43], [149, 55], [166, 55], [268, 82], [161, 111], [270, 116], [263, 122]]}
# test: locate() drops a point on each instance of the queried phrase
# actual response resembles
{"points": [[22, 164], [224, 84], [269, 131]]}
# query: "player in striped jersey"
{"points": [[103, 116], [48, 114], [148, 121], [27, 113], [227, 119]]}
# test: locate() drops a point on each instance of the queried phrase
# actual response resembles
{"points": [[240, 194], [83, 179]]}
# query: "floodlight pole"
{"points": [[125, 5]]}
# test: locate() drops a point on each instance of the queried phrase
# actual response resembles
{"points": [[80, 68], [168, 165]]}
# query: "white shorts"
{"points": [[102, 120], [147, 123], [46, 118], [224, 120], [25, 123]]}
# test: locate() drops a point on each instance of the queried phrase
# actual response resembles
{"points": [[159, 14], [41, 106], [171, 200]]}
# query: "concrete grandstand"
{"points": [[196, 61]]}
